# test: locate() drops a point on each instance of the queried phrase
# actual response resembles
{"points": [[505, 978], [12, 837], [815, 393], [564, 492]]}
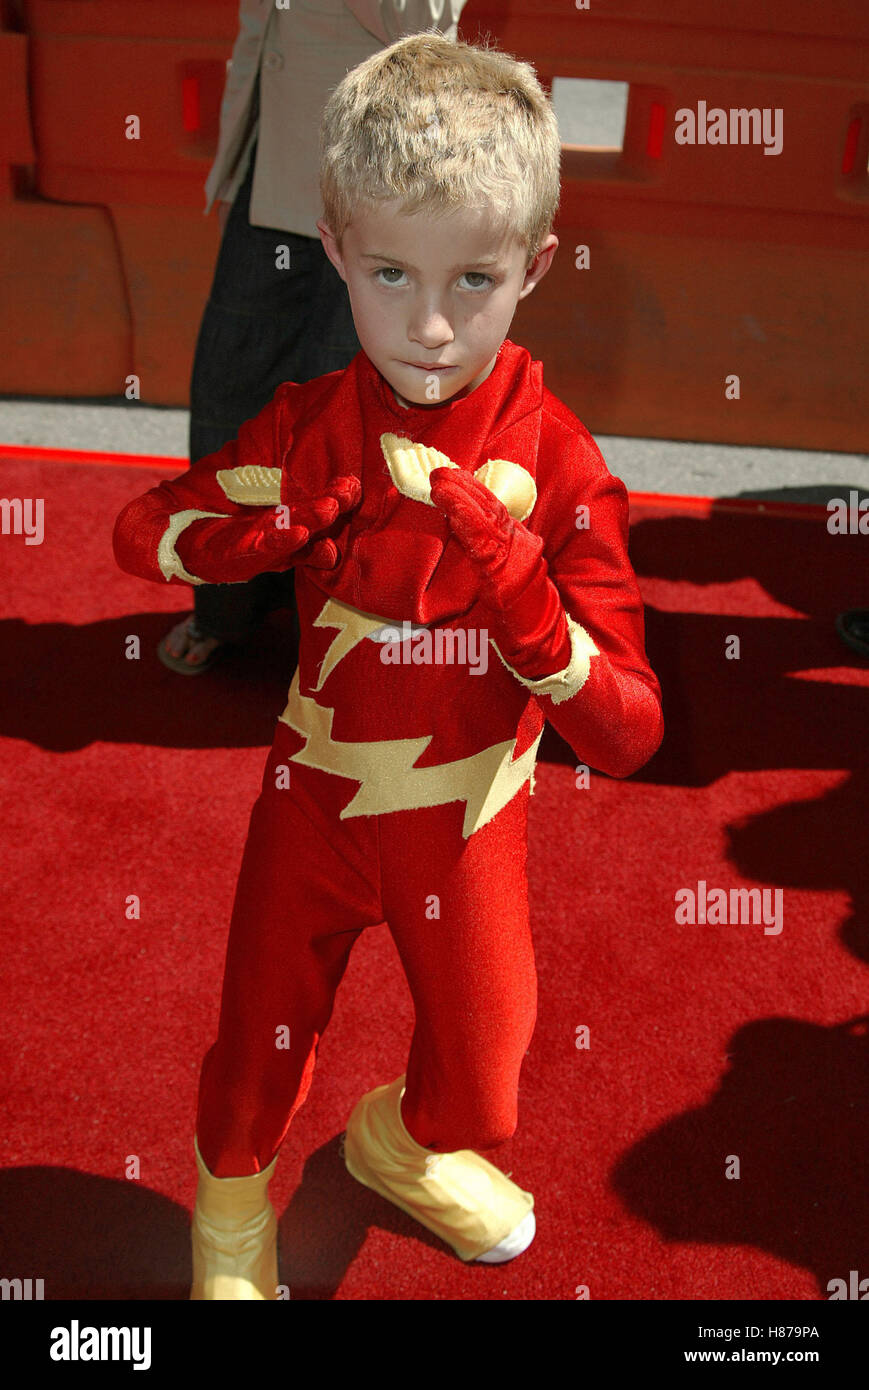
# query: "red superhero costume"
{"points": [[397, 787]]}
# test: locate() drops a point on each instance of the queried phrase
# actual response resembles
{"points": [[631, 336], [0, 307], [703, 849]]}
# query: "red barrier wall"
{"points": [[707, 262], [63, 310]]}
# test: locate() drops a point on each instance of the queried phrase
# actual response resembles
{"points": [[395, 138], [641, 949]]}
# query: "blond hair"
{"points": [[440, 125]]}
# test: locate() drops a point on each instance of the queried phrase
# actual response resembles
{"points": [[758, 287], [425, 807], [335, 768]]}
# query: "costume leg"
{"points": [[470, 970], [306, 890], [457, 911]]}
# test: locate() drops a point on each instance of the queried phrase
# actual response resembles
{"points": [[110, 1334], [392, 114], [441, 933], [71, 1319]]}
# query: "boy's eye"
{"points": [[468, 275]]}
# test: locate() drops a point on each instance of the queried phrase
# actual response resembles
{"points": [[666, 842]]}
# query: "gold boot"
{"points": [[459, 1196], [235, 1254]]}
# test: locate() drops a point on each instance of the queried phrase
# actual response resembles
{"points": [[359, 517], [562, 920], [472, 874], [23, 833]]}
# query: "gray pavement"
{"points": [[645, 465]]}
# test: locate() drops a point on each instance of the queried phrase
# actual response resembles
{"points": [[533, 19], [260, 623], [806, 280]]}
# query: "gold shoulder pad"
{"points": [[410, 465], [512, 484]]}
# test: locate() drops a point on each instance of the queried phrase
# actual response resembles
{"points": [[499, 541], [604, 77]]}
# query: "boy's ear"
{"points": [[539, 266], [330, 246]]}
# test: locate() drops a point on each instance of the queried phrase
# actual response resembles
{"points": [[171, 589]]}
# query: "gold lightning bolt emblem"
{"points": [[352, 625], [389, 781], [385, 769]]}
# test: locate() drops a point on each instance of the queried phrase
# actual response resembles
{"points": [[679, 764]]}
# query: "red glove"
{"points": [[234, 549], [528, 622]]}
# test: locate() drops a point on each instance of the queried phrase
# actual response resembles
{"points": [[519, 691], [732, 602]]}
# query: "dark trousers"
{"points": [[262, 326]]}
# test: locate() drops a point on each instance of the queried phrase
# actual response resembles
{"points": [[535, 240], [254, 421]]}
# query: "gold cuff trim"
{"points": [[564, 684], [167, 557]]}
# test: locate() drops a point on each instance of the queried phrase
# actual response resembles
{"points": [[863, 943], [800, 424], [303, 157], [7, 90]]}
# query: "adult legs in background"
{"points": [[261, 326]]}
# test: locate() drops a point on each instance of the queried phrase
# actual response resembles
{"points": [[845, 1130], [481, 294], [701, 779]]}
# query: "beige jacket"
{"points": [[301, 51]]}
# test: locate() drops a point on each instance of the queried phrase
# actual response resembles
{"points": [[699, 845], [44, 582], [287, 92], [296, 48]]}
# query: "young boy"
{"points": [[435, 499]]}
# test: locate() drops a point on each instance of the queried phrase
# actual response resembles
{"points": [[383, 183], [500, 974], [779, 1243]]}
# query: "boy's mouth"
{"points": [[432, 366]]}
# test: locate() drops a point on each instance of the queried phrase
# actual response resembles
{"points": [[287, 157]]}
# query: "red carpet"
{"points": [[708, 1043]]}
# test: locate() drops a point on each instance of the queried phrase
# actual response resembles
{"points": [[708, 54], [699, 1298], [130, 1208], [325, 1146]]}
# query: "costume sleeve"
{"points": [[241, 479], [606, 703]]}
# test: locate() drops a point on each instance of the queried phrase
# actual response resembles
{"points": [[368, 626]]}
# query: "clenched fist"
{"points": [[233, 550], [525, 613]]}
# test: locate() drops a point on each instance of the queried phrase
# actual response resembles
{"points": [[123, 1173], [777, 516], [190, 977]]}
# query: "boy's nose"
{"points": [[431, 328]]}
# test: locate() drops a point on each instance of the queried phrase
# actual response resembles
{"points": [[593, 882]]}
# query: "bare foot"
{"points": [[181, 642]]}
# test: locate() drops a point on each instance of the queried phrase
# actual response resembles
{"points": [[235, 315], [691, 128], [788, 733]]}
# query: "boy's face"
{"points": [[432, 292]]}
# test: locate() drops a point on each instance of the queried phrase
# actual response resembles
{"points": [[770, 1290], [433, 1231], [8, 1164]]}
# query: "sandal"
{"points": [[180, 663]]}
